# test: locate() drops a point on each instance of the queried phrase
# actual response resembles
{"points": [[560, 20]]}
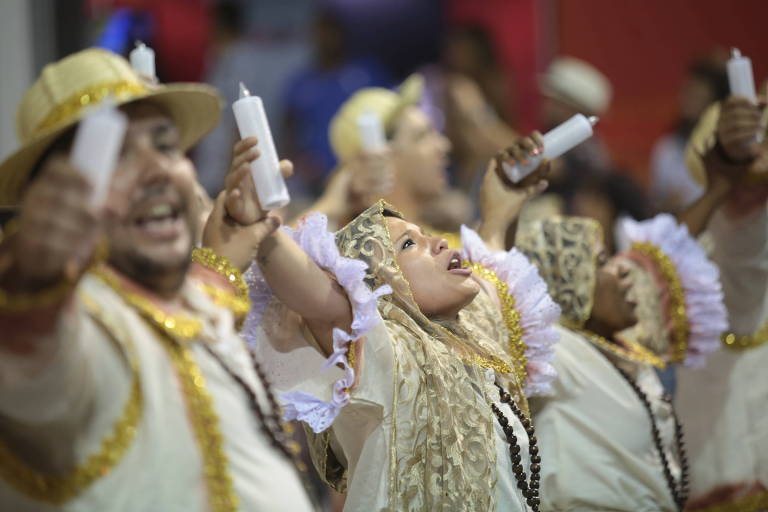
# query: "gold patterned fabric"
{"points": [[442, 443], [565, 250]]}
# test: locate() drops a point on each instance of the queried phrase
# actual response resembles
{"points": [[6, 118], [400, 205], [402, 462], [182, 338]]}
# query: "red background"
{"points": [[643, 46]]}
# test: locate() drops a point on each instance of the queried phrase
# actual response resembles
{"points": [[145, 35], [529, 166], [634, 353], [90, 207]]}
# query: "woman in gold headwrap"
{"points": [[608, 431], [411, 370]]}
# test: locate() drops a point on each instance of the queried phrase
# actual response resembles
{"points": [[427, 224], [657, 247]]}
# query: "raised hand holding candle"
{"points": [[96, 147], [143, 60], [371, 131], [556, 142], [265, 170]]}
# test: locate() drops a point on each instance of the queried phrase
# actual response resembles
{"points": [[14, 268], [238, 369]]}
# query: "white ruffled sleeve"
{"points": [[314, 238], [698, 277], [538, 312]]}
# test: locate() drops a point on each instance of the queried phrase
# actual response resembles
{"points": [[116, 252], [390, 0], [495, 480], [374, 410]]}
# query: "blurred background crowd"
{"points": [[493, 69]]}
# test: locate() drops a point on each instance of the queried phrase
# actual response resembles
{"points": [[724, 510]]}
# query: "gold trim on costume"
{"points": [[678, 312], [629, 350], [511, 320], [739, 342], [179, 326], [754, 503], [59, 489], [205, 422], [221, 265], [238, 305], [93, 95]]}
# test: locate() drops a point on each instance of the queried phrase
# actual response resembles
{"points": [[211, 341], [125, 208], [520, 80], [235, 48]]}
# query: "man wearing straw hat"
{"points": [[123, 382]]}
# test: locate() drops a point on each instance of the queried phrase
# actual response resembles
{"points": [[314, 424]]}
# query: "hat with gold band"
{"points": [[343, 131], [66, 90]]}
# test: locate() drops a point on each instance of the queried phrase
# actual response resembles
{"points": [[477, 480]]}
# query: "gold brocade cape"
{"points": [[443, 457]]}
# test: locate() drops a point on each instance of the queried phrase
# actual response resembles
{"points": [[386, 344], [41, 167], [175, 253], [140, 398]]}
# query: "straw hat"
{"points": [[578, 84], [343, 131], [67, 88]]}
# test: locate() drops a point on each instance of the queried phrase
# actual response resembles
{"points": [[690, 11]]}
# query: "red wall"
{"points": [[644, 46]]}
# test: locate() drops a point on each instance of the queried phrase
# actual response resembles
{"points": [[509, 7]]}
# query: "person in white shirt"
{"points": [[124, 385]]}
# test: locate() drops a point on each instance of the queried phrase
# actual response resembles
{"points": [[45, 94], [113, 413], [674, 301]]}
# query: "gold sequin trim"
{"points": [[745, 342], [60, 489], [205, 422], [351, 354], [221, 265], [71, 108], [511, 317], [678, 312], [238, 305], [754, 503], [21, 302], [629, 350], [180, 326]]}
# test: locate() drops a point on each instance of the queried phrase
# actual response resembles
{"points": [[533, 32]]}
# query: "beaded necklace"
{"points": [[679, 490], [529, 487]]}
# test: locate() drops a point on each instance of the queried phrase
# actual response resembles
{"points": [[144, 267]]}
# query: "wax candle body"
{"points": [[371, 131], [265, 170], [556, 142], [96, 147], [740, 77], [143, 60]]}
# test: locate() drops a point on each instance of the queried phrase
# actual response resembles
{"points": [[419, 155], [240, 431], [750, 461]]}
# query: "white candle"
{"points": [[371, 131], [96, 148], [740, 76], [143, 60], [265, 170], [556, 142]]}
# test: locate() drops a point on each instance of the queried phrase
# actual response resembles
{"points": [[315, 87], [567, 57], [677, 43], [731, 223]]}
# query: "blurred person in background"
{"points": [[125, 385], [726, 400], [410, 173], [468, 97], [672, 187], [314, 94], [262, 61], [609, 198], [572, 86]]}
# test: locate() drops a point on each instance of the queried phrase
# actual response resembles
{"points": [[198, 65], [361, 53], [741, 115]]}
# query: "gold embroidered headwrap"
{"points": [[443, 454], [565, 250]]}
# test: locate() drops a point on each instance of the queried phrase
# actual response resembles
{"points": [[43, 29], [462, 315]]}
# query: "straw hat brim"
{"points": [[195, 109]]}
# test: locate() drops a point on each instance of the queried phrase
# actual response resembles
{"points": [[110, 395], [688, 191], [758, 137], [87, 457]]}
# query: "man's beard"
{"points": [[155, 276]]}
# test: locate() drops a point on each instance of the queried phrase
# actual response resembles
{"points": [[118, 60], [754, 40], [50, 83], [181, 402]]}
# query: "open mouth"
{"points": [[454, 265], [161, 220]]}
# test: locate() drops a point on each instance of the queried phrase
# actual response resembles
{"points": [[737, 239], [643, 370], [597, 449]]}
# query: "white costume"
{"points": [[726, 403], [155, 421]]}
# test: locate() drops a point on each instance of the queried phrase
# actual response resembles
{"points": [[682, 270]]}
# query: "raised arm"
{"points": [[500, 200], [294, 278], [727, 163], [740, 227], [45, 256]]}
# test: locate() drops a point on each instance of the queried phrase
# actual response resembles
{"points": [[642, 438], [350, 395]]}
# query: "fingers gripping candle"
{"points": [[97, 145], [371, 131], [265, 170], [556, 142]]}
